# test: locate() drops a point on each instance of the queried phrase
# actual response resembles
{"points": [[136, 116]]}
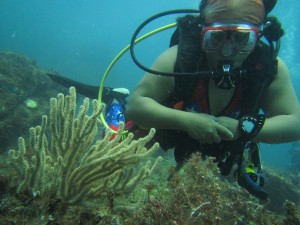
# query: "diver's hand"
{"points": [[203, 128], [231, 124]]}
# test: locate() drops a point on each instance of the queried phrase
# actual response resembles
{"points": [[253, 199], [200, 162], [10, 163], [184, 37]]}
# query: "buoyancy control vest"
{"points": [[261, 69]]}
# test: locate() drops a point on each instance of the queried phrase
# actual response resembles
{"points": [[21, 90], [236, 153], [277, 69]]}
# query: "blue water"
{"points": [[79, 39]]}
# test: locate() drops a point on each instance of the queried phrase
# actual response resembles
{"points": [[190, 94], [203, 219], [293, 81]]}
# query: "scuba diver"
{"points": [[246, 98]]}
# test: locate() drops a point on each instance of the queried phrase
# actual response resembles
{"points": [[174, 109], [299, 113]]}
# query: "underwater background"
{"points": [[80, 38]]}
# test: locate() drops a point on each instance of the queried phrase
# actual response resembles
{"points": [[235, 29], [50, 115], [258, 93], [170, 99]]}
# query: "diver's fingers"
{"points": [[216, 137], [223, 132]]}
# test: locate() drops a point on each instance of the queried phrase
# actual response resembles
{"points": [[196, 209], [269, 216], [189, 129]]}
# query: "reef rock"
{"points": [[25, 90]]}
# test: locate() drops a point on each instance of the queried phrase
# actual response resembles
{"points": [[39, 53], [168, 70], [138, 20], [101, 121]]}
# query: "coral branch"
{"points": [[76, 167]]}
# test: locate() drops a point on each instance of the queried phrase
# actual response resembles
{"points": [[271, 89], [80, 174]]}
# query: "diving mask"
{"points": [[243, 37]]}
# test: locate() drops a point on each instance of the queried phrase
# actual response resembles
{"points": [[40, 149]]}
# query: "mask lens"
{"points": [[213, 39], [244, 40]]}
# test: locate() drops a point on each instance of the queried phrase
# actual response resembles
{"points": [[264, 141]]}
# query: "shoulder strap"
{"points": [[262, 69], [186, 36]]}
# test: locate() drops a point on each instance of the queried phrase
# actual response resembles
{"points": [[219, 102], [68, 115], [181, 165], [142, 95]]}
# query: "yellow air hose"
{"points": [[102, 117]]}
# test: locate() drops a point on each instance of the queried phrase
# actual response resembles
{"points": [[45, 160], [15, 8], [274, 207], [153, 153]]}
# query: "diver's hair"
{"points": [[268, 4]]}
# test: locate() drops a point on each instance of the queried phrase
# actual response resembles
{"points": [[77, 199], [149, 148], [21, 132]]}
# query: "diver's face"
{"points": [[229, 42]]}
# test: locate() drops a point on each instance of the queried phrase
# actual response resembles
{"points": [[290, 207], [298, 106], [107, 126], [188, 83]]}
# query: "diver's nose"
{"points": [[227, 48]]}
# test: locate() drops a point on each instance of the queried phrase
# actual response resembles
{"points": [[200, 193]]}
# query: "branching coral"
{"points": [[74, 166]]}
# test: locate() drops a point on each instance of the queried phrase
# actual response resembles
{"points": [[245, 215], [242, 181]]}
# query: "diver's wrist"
{"points": [[183, 121], [250, 126]]}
